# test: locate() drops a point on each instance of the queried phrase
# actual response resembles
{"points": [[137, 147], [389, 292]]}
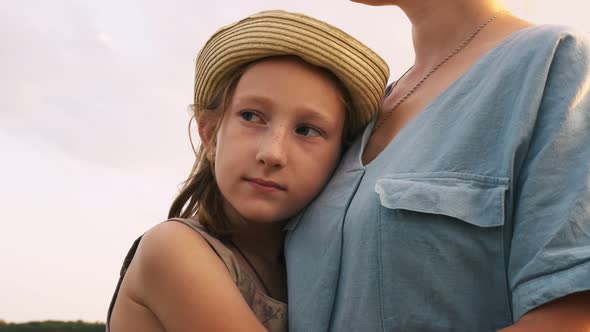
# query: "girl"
{"points": [[277, 97], [465, 204]]}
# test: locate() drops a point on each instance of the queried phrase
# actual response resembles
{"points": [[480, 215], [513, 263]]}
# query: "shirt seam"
{"points": [[380, 279]]}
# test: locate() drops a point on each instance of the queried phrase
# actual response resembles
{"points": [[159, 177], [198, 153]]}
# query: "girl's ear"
{"points": [[207, 134], [206, 130]]}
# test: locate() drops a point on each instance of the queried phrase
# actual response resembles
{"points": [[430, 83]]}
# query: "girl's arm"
{"points": [[178, 277]]}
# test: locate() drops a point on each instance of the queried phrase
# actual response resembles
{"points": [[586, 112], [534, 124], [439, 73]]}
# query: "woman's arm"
{"points": [[178, 277], [549, 264], [570, 313]]}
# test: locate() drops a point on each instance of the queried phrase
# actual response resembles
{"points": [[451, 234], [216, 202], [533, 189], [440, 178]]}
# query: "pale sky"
{"points": [[93, 128]]}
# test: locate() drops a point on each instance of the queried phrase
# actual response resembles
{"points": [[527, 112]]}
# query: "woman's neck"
{"points": [[440, 26]]}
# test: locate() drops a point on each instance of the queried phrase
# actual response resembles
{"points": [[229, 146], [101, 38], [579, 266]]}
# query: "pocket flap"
{"points": [[475, 199]]}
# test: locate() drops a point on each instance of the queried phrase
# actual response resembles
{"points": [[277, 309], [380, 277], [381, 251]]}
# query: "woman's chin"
{"points": [[374, 2]]}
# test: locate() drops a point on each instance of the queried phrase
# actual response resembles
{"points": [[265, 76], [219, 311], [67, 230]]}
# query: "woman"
{"points": [[465, 205]]}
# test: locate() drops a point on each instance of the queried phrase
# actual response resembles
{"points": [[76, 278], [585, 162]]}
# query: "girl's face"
{"points": [[279, 140]]}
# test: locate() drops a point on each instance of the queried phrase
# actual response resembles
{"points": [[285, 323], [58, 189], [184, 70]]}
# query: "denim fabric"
{"points": [[476, 213]]}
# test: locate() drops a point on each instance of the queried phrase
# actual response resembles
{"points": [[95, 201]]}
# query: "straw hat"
{"points": [[277, 32]]}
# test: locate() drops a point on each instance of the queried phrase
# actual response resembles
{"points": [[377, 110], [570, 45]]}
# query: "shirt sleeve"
{"points": [[549, 255]]}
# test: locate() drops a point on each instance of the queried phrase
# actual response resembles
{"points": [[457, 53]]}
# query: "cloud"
{"points": [[70, 83], [105, 39]]}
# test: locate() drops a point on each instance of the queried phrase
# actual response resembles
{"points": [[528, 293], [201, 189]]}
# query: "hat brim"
{"points": [[279, 33]]}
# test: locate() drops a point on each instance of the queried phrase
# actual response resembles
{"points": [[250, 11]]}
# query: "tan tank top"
{"points": [[272, 313]]}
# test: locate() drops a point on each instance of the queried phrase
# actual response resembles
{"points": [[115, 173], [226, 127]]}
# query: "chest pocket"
{"points": [[477, 200], [441, 249]]}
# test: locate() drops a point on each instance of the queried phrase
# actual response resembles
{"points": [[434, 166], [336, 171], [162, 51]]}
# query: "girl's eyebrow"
{"points": [[258, 99], [311, 114]]}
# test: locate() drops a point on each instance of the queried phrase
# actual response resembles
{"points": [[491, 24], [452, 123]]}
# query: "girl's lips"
{"points": [[265, 185]]}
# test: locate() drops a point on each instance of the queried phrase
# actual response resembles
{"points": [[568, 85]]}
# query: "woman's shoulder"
{"points": [[550, 30], [568, 54], [552, 36], [543, 50]]}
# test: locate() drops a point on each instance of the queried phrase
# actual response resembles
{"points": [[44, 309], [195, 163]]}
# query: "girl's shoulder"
{"points": [[215, 244], [185, 241], [175, 268]]}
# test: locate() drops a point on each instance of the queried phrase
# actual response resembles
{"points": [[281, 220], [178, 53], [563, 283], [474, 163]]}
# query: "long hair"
{"points": [[200, 195]]}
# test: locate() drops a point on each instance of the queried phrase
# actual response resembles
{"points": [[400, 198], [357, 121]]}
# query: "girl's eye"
{"points": [[307, 131], [250, 116]]}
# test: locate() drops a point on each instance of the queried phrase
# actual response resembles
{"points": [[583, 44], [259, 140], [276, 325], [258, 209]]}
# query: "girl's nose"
{"points": [[272, 150]]}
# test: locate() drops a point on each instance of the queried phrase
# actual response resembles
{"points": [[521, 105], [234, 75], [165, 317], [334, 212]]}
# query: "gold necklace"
{"points": [[435, 68]]}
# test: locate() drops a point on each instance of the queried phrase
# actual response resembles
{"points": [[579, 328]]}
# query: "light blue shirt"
{"points": [[476, 213]]}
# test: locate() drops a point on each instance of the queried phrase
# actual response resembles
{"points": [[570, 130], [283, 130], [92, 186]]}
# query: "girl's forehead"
{"points": [[290, 85], [284, 72]]}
